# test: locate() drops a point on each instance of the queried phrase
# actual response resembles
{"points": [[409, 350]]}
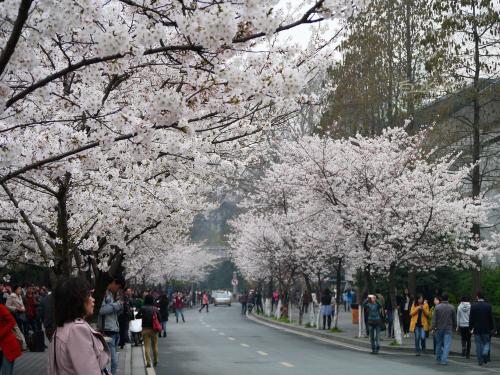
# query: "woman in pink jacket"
{"points": [[76, 348]]}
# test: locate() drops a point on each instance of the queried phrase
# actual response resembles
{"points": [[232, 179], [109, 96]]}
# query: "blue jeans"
{"points": [[6, 366], [443, 345], [164, 326], [482, 347], [113, 344], [375, 336], [419, 339], [177, 312]]}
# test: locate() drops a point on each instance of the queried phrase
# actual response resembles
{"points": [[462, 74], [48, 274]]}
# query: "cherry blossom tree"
{"points": [[385, 202], [115, 117]]}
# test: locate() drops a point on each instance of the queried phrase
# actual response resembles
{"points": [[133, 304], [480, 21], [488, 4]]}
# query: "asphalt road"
{"points": [[223, 342]]}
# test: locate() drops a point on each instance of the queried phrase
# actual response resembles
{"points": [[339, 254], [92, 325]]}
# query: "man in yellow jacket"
{"points": [[419, 323]]}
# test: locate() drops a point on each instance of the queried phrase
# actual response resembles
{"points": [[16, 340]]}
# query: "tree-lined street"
{"points": [[224, 342], [295, 156]]}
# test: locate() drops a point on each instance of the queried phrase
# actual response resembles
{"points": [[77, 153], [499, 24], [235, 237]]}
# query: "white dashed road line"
{"points": [[286, 364], [231, 338], [262, 353], [221, 333], [245, 345]]}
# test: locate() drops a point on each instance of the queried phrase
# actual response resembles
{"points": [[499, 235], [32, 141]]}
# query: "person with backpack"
{"points": [[10, 348], [463, 313], [150, 320]]}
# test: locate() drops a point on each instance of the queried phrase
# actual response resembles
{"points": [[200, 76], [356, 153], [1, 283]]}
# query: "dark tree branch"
{"points": [[10, 47]]}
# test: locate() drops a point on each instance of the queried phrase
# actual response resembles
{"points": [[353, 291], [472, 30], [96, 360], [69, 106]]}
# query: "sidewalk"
{"points": [[31, 363], [349, 335]]}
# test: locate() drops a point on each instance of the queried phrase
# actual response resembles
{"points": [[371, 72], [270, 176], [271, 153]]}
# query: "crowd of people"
{"points": [[77, 347], [440, 321], [249, 300]]}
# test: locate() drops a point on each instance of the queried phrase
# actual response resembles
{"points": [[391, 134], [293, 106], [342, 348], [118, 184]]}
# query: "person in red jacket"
{"points": [[9, 346], [179, 307]]}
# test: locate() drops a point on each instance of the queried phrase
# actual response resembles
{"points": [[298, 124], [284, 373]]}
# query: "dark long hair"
{"points": [[70, 297], [417, 297]]}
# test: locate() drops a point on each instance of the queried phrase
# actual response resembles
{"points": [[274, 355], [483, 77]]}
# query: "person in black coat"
{"points": [[163, 314], [482, 325]]}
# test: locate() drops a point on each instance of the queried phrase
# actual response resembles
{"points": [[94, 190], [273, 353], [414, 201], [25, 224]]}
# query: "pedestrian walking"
{"points": [[463, 314], [10, 348], [110, 309], [47, 315], [326, 308], [481, 324], [374, 314], [31, 305], [76, 348], [204, 302], [164, 314], [148, 313], [405, 309], [419, 323], [179, 307], [306, 300], [244, 301], [16, 306], [125, 317], [437, 301], [258, 302], [443, 324], [389, 313], [275, 300]]}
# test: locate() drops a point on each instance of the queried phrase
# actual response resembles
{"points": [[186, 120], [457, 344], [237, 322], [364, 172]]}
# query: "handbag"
{"points": [[20, 337], [156, 322]]}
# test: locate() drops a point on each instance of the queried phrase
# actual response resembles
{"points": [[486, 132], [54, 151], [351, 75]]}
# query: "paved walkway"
{"points": [[31, 363], [349, 333]]}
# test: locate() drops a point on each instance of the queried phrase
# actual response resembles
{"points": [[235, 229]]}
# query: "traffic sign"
{"points": [[234, 282]]}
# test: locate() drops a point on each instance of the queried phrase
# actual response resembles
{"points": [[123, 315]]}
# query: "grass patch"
{"points": [[394, 343], [308, 325], [336, 330]]}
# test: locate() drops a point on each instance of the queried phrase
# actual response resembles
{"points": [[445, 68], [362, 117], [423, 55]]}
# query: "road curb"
{"points": [[334, 340]]}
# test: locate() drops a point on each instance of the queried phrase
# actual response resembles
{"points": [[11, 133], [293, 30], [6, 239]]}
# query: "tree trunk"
{"points": [[412, 282], [368, 287], [301, 306], [267, 306], [361, 320], [476, 151], [409, 66]]}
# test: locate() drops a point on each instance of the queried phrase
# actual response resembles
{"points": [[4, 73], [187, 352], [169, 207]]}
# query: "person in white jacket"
{"points": [[463, 312]]}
